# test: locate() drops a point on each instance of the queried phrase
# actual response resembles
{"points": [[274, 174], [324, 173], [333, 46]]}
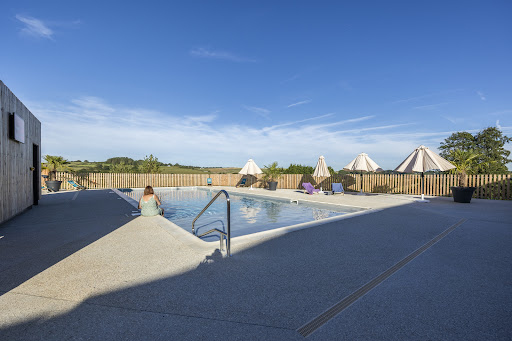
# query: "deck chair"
{"points": [[242, 183], [309, 188], [75, 185], [337, 188], [209, 181]]}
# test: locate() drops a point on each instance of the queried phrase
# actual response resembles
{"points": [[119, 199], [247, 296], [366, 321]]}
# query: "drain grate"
{"points": [[323, 318]]}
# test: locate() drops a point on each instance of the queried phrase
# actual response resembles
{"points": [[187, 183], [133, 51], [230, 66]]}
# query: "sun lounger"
{"points": [[75, 185], [337, 188], [309, 188], [242, 183]]}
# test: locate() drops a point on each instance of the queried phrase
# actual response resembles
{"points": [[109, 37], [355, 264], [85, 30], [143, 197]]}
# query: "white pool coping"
{"points": [[194, 242]]}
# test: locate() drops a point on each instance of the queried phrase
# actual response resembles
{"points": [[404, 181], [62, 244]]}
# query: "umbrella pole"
{"points": [[361, 182], [422, 186], [422, 189]]}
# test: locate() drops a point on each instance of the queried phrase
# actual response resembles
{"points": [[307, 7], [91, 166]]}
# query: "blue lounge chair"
{"points": [[337, 188], [242, 183], [75, 185], [209, 181], [309, 188]]}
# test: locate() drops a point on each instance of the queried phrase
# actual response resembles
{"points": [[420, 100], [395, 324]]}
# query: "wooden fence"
{"points": [[488, 186]]}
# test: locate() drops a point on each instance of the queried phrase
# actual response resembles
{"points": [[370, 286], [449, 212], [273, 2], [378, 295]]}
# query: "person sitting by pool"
{"points": [[149, 204]]}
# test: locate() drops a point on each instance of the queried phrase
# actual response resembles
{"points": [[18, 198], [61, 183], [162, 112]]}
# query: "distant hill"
{"points": [[130, 166]]}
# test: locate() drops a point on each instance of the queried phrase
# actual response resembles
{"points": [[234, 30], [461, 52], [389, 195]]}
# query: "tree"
{"points": [[272, 172], [150, 165], [53, 163], [121, 167], [457, 141], [121, 159], [298, 169], [464, 161], [489, 144]]}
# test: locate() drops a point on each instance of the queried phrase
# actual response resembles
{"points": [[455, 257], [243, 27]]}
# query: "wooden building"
{"points": [[20, 156]]}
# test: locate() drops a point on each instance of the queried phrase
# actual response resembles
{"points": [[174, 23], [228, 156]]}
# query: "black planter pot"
{"points": [[272, 185], [462, 194], [53, 186]]}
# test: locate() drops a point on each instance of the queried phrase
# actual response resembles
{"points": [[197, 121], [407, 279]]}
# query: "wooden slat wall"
{"points": [[16, 189], [488, 186]]}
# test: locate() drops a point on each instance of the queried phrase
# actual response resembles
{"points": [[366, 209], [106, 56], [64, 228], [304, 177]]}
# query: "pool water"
{"points": [[249, 213]]}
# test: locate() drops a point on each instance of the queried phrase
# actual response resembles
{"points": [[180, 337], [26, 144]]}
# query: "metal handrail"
{"points": [[222, 233]]}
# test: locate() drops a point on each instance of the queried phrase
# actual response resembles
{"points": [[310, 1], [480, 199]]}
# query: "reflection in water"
{"points": [[273, 210], [250, 213], [320, 214], [249, 210]]}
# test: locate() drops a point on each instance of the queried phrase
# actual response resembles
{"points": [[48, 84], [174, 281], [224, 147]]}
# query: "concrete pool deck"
{"points": [[80, 266]]}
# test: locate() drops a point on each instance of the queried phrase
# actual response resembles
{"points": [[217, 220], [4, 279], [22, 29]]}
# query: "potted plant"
{"points": [[464, 161], [271, 174], [52, 164]]}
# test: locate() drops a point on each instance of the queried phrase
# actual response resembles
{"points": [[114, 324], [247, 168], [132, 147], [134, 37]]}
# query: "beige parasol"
{"points": [[250, 168], [421, 160], [321, 168], [363, 163]]}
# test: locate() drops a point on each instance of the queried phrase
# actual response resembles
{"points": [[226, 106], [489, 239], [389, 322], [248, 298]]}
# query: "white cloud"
{"points": [[498, 124], [223, 55], [299, 103], [292, 78], [454, 120], [296, 122], [429, 106], [481, 95], [260, 111], [90, 128], [202, 119], [351, 120], [35, 27]]}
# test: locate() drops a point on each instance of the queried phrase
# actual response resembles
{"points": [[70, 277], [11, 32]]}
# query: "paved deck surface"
{"points": [[80, 267]]}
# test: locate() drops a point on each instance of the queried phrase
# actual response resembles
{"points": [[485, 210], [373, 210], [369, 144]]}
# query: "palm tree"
{"points": [[53, 163], [272, 172], [465, 163]]}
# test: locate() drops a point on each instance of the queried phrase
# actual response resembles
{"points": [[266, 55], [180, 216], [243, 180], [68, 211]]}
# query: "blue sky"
{"points": [[214, 83]]}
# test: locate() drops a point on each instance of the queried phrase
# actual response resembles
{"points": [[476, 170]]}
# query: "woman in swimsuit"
{"points": [[149, 204]]}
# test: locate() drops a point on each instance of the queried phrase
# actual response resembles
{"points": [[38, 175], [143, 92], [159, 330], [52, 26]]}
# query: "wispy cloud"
{"points": [[292, 78], [298, 103], [350, 120], [202, 119], [417, 98], [384, 127], [136, 132], [260, 111], [453, 120], [429, 106], [201, 52], [35, 27], [481, 95], [297, 122]]}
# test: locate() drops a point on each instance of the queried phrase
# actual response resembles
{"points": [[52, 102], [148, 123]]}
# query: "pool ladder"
{"points": [[222, 233]]}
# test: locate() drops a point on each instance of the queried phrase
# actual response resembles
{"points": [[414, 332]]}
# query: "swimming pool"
{"points": [[249, 213]]}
